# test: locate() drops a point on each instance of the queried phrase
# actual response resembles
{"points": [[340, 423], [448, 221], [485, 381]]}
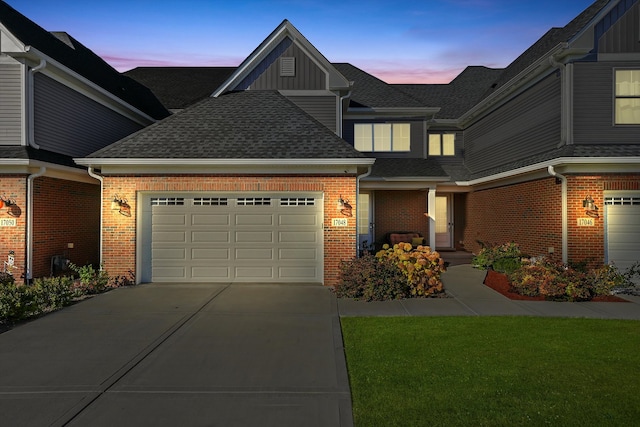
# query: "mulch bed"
{"points": [[499, 283]]}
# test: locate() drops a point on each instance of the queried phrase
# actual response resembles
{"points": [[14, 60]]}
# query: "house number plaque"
{"points": [[340, 222], [8, 222], [586, 222]]}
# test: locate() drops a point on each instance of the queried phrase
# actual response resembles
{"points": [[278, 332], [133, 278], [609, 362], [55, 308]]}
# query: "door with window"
{"points": [[444, 221], [365, 220]]}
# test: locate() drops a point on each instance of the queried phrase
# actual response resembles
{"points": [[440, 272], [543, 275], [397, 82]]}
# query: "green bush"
{"points": [[505, 258], [371, 279], [92, 281]]}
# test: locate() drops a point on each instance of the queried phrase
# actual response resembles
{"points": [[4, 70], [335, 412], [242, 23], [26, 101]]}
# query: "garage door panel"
{"points": [[254, 254], [254, 237], [210, 219], [210, 273], [253, 272], [210, 236], [623, 230], [169, 272], [169, 237], [299, 273], [217, 254], [169, 219], [298, 237], [171, 254], [254, 219], [300, 219], [298, 254]]}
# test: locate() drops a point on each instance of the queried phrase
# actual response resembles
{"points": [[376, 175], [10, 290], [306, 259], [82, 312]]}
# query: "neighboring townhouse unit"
{"points": [[58, 100], [545, 152]]}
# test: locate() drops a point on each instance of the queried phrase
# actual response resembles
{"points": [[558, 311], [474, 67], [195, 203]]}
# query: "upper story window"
{"points": [[627, 108], [442, 144], [382, 137]]}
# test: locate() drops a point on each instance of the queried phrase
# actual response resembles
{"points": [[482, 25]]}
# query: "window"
{"points": [[627, 108], [442, 144], [382, 137]]}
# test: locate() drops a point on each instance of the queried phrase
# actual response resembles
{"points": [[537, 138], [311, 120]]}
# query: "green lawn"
{"points": [[493, 371]]}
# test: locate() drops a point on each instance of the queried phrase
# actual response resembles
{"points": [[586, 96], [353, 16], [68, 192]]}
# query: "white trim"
{"points": [[53, 170]]}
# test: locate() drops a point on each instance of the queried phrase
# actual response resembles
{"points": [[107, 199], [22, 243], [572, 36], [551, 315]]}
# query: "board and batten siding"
{"points": [[11, 104], [525, 126], [594, 91], [308, 76], [70, 123], [622, 36], [322, 108]]}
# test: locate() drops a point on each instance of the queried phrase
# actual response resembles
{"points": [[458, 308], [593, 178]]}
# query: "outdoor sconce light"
{"points": [[590, 207], [120, 205], [344, 207], [10, 204]]}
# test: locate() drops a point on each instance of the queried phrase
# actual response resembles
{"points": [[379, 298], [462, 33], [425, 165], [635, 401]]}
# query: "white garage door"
{"points": [[623, 230], [240, 238]]}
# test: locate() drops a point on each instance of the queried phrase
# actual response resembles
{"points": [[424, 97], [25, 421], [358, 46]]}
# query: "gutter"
{"points": [[565, 228], [31, 100], [30, 179], [100, 178]]}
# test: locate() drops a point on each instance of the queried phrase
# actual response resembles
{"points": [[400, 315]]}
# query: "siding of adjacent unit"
{"points": [[622, 36], [322, 108], [10, 104], [525, 126], [308, 76], [67, 122], [594, 102]]}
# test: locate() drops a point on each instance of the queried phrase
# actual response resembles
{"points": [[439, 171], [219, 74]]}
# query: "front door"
{"points": [[444, 222], [365, 220]]}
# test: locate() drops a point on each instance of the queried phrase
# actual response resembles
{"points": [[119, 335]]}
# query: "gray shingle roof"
{"points": [[457, 97], [398, 168], [238, 125], [179, 87], [73, 54], [369, 91]]}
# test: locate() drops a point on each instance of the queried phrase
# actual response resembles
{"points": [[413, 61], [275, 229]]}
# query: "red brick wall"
{"points": [[65, 212], [14, 187], [119, 247], [529, 214], [400, 211]]}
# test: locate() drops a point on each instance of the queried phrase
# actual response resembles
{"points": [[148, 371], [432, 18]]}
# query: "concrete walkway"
{"points": [[170, 355], [470, 297]]}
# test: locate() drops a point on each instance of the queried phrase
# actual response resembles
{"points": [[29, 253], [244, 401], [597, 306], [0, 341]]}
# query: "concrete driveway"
{"points": [[178, 354]]}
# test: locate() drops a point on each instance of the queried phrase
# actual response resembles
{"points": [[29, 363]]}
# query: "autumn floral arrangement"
{"points": [[395, 272]]}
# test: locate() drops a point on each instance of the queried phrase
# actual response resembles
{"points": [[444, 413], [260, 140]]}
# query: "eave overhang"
{"points": [[53, 170], [368, 112]]}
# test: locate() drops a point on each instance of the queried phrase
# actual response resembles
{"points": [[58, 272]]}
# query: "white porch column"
{"points": [[431, 216]]}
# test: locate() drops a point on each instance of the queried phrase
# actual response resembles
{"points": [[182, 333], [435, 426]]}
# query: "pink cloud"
{"points": [[124, 63]]}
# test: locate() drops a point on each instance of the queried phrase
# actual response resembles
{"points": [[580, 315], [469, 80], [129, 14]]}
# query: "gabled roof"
{"points": [[237, 125], [179, 87], [72, 54], [335, 81], [371, 92], [457, 97]]}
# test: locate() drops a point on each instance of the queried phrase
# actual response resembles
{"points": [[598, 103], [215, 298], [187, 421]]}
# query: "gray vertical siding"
{"points": [[68, 122], [594, 102], [322, 108], [308, 75], [11, 104], [623, 35], [526, 125]]}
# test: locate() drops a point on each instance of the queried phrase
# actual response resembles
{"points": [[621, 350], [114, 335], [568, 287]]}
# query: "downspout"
{"points": [[340, 110], [29, 263], [358, 178], [31, 98], [100, 178], [565, 230]]}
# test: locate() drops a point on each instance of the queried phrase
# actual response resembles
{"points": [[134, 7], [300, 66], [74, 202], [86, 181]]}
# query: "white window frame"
{"points": [[382, 137], [622, 94], [441, 144]]}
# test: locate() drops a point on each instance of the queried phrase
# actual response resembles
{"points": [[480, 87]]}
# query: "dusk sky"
{"points": [[398, 41]]}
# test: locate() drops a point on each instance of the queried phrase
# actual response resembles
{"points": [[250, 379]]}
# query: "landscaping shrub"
{"points": [[371, 279], [421, 267], [91, 280], [505, 258], [559, 282]]}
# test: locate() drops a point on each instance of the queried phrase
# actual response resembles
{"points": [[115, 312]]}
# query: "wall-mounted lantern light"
{"points": [[590, 207], [119, 204], [10, 204], [344, 207]]}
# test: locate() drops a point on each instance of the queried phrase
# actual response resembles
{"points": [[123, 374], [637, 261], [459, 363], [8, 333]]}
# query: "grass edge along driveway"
{"points": [[493, 371]]}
